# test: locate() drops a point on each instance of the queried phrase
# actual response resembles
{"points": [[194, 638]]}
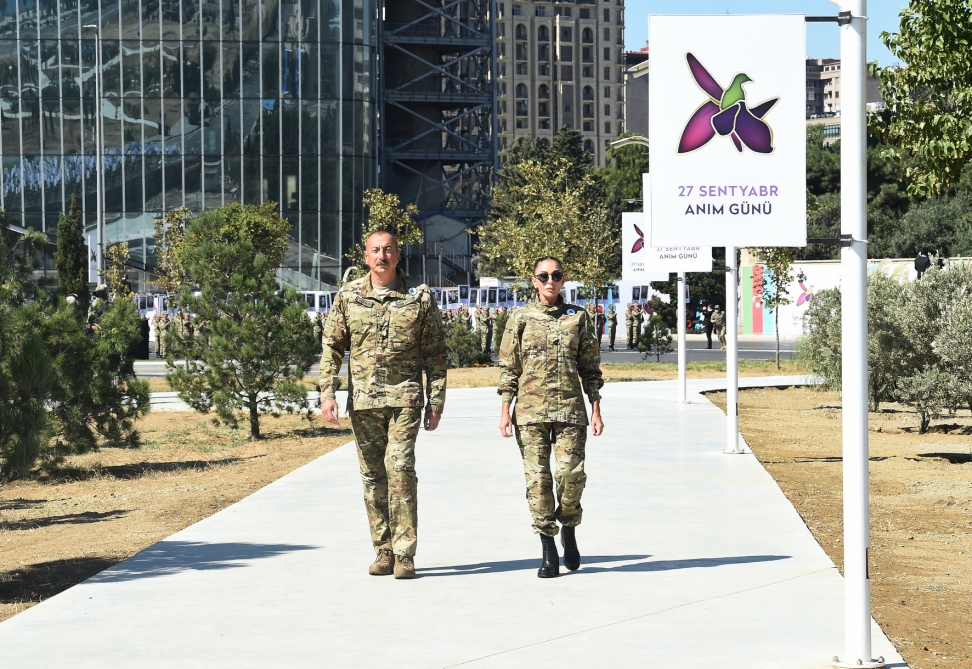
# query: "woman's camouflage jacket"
{"points": [[549, 355]]}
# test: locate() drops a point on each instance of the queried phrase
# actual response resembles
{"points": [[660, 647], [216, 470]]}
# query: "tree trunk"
{"points": [[776, 326], [925, 422], [254, 419]]}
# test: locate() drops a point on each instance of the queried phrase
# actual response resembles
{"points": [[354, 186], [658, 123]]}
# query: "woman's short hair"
{"points": [[560, 264]]}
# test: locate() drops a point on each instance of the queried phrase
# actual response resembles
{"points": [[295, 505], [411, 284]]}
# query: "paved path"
{"points": [[692, 559]]}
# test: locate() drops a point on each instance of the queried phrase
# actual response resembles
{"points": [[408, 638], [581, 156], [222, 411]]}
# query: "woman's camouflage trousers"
{"points": [[568, 444], [386, 455]]}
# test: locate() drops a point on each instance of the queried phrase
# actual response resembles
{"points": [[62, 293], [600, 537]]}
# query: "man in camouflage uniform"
{"points": [[482, 327], [599, 321], [612, 319], [161, 327], [393, 335], [719, 325], [549, 359], [632, 320]]}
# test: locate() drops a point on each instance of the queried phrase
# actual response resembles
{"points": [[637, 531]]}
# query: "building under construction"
{"points": [[437, 115]]}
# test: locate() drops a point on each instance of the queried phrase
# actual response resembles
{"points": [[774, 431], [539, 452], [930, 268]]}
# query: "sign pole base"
{"points": [[732, 354], [872, 664]]}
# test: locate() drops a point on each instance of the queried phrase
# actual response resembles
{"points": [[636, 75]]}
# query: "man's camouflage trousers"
{"points": [[386, 455], [568, 444]]}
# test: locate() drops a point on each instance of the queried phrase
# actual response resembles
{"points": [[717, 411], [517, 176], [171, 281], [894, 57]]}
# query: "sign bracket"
{"points": [[842, 19]]}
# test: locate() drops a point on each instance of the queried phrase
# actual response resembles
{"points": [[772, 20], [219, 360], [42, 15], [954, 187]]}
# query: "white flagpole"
{"points": [[732, 354], [681, 338], [853, 257]]}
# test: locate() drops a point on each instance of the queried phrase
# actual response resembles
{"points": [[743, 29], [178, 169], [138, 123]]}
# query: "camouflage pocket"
{"points": [[403, 326]]}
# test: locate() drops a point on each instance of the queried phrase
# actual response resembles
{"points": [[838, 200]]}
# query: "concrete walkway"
{"points": [[692, 558]]}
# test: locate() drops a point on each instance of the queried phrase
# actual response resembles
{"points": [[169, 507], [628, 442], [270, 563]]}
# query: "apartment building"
{"points": [[823, 88], [560, 64]]}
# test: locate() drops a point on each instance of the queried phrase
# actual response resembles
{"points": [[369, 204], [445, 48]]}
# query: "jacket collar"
{"points": [[398, 287], [551, 308]]}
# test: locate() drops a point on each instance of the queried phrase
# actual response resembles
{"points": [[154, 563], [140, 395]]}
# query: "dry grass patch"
{"points": [[921, 509], [103, 507], [487, 377]]}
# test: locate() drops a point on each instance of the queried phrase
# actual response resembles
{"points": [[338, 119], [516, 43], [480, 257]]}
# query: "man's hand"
{"points": [[431, 419], [506, 423], [597, 425], [329, 409]]}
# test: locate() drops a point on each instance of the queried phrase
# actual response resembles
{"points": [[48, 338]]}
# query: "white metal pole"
{"points": [[732, 354], [853, 189], [681, 338], [99, 158]]}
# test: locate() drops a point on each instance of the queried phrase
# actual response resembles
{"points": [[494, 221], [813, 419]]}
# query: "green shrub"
{"points": [[656, 340], [462, 345]]}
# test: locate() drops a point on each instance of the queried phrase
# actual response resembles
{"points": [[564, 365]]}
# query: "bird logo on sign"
{"points": [[726, 112], [640, 242]]}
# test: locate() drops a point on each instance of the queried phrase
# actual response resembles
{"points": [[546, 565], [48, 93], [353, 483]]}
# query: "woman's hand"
{"points": [[597, 425], [506, 423]]}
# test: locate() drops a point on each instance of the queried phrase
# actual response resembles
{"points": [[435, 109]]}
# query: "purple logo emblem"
{"points": [[727, 113], [640, 242]]}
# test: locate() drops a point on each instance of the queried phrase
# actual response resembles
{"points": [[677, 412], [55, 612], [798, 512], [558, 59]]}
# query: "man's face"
{"points": [[382, 254]]}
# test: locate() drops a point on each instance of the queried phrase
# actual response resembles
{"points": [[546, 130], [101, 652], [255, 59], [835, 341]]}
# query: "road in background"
{"points": [[696, 351]]}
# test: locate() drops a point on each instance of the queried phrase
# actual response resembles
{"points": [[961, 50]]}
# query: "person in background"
{"points": [[922, 262], [707, 324], [599, 321], [632, 320], [719, 325], [612, 319]]}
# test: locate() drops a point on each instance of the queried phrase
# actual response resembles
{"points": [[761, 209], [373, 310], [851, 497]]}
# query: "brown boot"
{"points": [[383, 563], [404, 567]]}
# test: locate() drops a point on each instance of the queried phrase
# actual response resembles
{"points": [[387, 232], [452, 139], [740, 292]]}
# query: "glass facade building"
{"points": [[203, 103]]}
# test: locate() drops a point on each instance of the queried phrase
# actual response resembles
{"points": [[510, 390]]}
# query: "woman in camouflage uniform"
{"points": [[549, 358]]}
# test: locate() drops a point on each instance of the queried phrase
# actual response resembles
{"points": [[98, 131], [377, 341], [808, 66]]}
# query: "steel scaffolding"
{"points": [[437, 102]]}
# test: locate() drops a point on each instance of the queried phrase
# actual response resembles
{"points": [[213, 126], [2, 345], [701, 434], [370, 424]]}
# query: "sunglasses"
{"points": [[557, 276]]}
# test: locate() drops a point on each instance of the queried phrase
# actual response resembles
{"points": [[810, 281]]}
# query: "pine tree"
{"points": [[657, 339], [71, 258], [247, 345]]}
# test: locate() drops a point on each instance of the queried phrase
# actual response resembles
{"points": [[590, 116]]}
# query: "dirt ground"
{"points": [[921, 509], [103, 507]]}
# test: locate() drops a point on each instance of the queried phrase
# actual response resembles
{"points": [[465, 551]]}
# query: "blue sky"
{"points": [[823, 40]]}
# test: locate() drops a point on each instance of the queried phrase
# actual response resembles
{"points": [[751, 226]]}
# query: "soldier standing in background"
{"points": [[599, 322], [632, 321], [161, 328], [482, 327], [612, 319], [719, 325], [549, 360], [393, 334]]}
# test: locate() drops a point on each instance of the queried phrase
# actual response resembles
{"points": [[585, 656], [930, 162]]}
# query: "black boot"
{"points": [[551, 560], [572, 558]]}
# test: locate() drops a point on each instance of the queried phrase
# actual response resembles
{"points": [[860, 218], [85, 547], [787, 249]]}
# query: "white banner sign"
{"points": [[728, 130], [639, 260], [639, 255]]}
